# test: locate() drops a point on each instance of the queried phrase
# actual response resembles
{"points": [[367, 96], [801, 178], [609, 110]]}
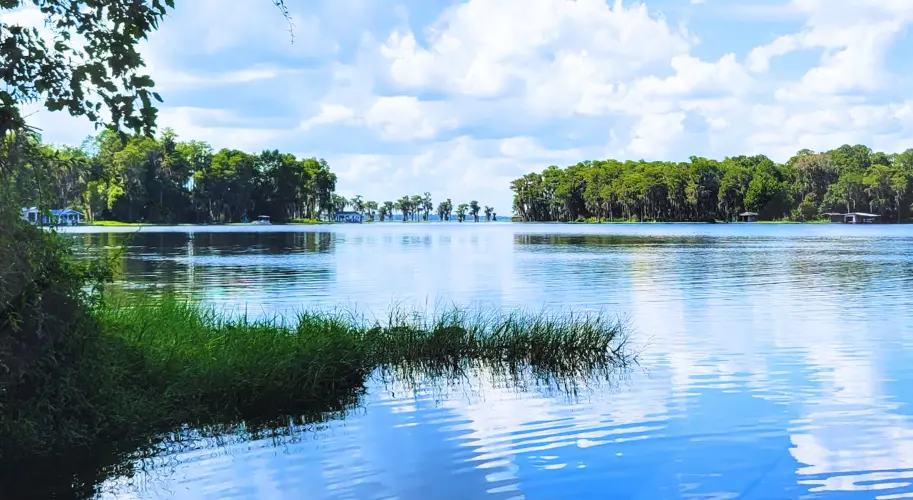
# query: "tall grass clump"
{"points": [[206, 364], [542, 339], [153, 365]]}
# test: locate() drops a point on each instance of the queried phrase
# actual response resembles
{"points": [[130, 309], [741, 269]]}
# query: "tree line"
{"points": [[163, 180], [142, 178], [805, 188], [414, 208]]}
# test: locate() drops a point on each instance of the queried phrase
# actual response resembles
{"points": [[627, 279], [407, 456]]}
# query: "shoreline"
{"points": [[113, 224], [247, 224]]}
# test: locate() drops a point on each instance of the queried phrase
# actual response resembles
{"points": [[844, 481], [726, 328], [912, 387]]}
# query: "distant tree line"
{"points": [[163, 180], [846, 179], [414, 208], [142, 178]]}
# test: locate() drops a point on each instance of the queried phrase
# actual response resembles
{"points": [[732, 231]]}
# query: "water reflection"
{"points": [[275, 458], [777, 361]]}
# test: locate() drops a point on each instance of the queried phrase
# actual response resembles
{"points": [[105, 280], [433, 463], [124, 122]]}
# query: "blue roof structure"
{"points": [[65, 211]]}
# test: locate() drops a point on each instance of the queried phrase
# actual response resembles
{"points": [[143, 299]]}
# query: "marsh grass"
{"points": [[114, 223], [139, 369], [308, 221]]}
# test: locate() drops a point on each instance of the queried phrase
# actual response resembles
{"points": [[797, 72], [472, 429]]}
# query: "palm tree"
{"points": [[388, 209], [442, 210], [358, 204], [415, 204], [339, 203], [398, 204], [474, 210], [448, 208], [371, 207], [461, 211], [488, 212], [427, 205], [405, 206]]}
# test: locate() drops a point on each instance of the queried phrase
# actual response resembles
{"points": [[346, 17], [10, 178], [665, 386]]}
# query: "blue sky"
{"points": [[459, 97]]}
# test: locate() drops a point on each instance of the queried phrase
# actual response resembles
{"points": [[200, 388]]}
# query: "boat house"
{"points": [[860, 218], [350, 217], [748, 217], [63, 217], [853, 218], [834, 216]]}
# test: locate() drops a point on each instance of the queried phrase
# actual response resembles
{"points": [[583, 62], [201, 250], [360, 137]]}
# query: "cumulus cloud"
{"points": [[328, 114], [490, 47], [405, 117]]}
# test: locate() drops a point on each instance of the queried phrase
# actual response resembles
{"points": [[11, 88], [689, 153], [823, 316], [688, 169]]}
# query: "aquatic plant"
{"points": [[135, 367]]}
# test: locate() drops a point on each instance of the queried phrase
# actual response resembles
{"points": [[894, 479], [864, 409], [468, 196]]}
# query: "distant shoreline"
{"points": [[246, 224], [501, 221]]}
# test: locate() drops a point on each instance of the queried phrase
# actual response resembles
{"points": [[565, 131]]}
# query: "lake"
{"points": [[775, 361]]}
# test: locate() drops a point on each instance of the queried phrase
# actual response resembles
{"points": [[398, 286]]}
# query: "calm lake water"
{"points": [[776, 361]]}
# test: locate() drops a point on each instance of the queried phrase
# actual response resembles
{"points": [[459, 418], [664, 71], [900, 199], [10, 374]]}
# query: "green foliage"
{"points": [[849, 178], [370, 209], [306, 221], [444, 209], [461, 211], [153, 365], [420, 207], [162, 180], [89, 64], [474, 210], [808, 210], [488, 213], [45, 298], [427, 205]]}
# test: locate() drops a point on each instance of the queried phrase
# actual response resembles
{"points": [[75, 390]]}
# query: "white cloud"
{"points": [[484, 47], [654, 135], [221, 128], [527, 148], [854, 35], [405, 117], [561, 59], [168, 80], [329, 113]]}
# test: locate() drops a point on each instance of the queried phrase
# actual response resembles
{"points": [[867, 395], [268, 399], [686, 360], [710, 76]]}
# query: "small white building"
{"points": [[63, 217], [349, 217]]}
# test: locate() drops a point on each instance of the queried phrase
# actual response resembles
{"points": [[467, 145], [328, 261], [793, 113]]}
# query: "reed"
{"points": [[136, 367]]}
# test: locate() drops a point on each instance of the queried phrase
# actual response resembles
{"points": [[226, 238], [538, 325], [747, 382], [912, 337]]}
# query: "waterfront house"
{"points": [[853, 217], [350, 217], [748, 217], [860, 218], [63, 217]]}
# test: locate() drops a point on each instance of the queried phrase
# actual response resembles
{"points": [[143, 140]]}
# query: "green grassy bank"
{"points": [[129, 369]]}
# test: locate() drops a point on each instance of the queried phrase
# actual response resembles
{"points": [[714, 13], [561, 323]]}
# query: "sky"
{"points": [[460, 97]]}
